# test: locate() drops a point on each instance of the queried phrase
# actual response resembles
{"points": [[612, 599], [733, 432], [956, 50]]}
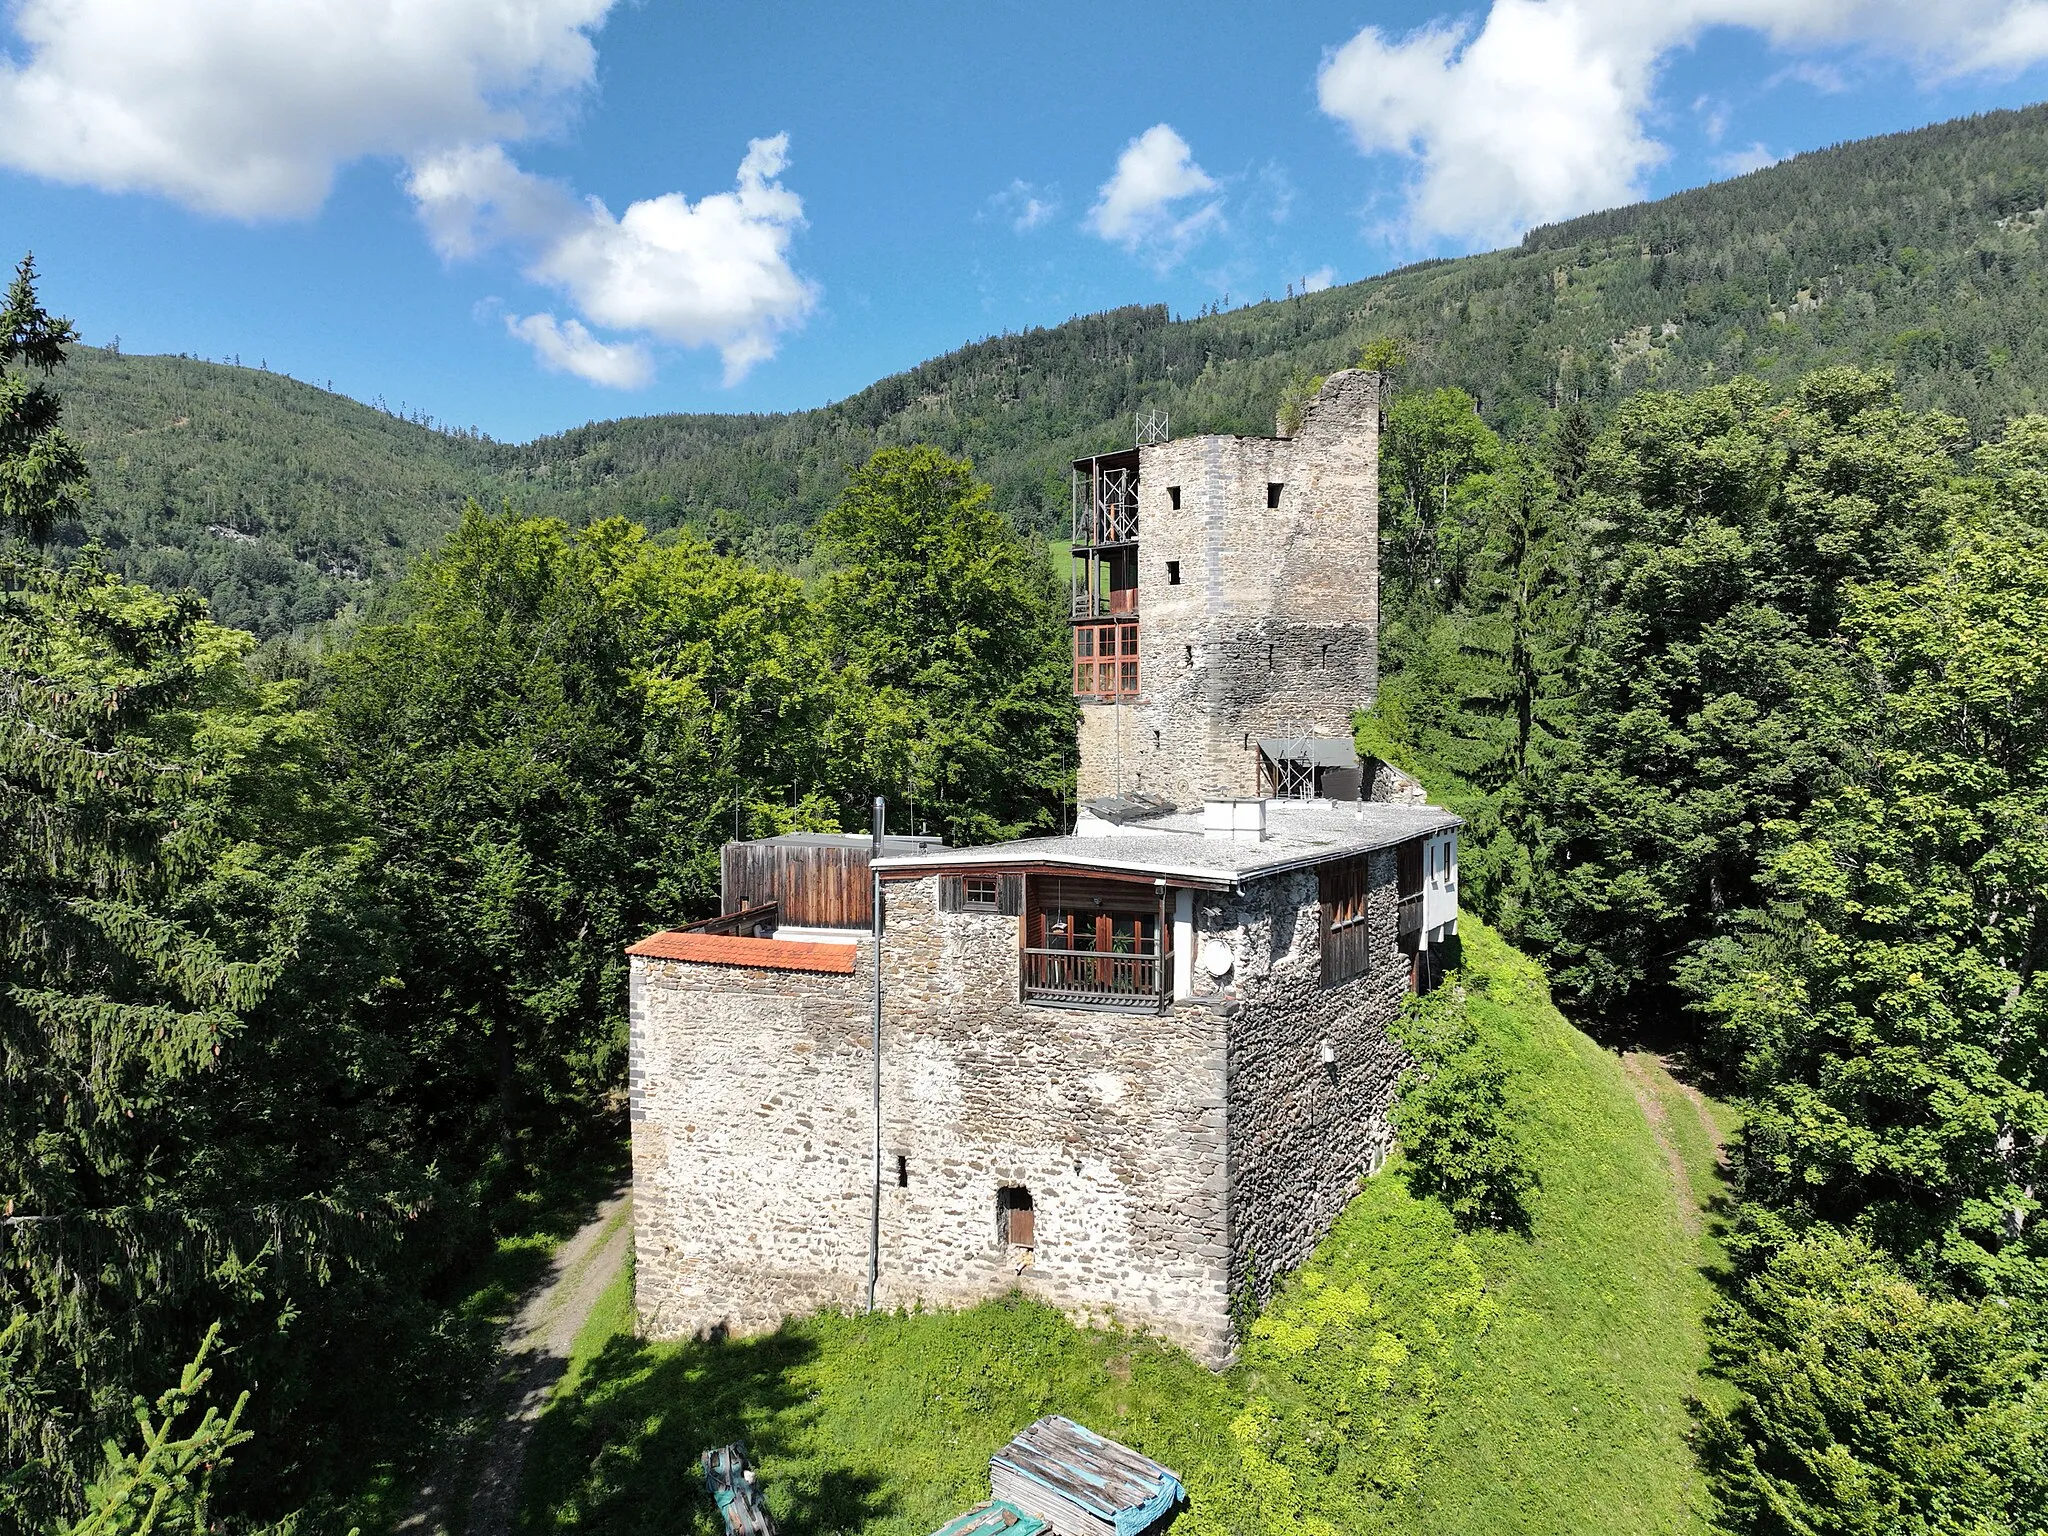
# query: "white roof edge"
{"points": [[1022, 852], [975, 858]]}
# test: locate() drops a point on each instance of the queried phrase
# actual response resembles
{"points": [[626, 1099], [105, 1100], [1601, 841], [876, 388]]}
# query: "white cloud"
{"points": [[711, 273], [1540, 111], [1137, 206], [248, 107], [1023, 206], [1740, 162], [1714, 117], [569, 348], [1318, 280]]}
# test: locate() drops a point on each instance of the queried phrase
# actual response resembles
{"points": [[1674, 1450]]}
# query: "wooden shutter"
{"points": [[1009, 895], [951, 893], [1023, 1226]]}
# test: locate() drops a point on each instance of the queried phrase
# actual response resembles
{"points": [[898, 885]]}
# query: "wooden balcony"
{"points": [[1081, 978], [1119, 603]]}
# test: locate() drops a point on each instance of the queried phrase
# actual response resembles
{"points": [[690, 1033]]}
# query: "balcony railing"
{"points": [[1083, 978], [1105, 507], [1120, 603]]}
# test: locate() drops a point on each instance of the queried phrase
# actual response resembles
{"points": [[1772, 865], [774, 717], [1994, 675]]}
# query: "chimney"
{"points": [[1234, 821]]}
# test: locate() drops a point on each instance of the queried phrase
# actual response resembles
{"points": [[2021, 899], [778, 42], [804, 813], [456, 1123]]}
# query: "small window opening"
{"points": [[1155, 741], [1173, 497], [1273, 490], [978, 893], [902, 1171], [1173, 573], [1191, 654], [1269, 658], [1016, 1221]]}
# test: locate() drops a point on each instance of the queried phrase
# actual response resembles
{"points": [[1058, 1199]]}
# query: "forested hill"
{"points": [[1921, 250]]}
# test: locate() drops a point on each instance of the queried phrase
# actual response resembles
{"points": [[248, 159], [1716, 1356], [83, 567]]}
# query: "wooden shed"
{"points": [[818, 879]]}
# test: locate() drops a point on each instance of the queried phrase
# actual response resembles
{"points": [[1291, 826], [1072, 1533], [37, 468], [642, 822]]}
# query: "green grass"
{"points": [[1410, 1379]]}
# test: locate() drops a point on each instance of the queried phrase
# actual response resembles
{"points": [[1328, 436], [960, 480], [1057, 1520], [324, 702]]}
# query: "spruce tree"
{"points": [[42, 476]]}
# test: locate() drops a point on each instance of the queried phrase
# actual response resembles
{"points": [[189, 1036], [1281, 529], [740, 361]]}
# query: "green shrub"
{"points": [[1457, 1126]]}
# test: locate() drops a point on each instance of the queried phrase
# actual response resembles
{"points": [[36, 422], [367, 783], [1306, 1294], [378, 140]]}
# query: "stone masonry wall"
{"points": [[1303, 1135], [1272, 628], [1113, 1121], [752, 1140], [1174, 1159]]}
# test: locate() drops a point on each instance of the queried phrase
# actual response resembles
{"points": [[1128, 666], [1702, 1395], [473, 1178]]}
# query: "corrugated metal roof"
{"points": [[1319, 751], [755, 954]]}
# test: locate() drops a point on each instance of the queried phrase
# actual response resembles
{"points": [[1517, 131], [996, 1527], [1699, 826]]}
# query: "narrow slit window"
{"points": [[1173, 497], [1191, 654], [1173, 573], [902, 1171], [1273, 490]]}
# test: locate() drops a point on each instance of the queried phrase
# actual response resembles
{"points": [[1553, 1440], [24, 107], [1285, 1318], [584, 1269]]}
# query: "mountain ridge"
{"points": [[1919, 250]]}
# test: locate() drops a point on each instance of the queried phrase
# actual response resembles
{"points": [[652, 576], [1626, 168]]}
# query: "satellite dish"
{"points": [[1217, 959]]}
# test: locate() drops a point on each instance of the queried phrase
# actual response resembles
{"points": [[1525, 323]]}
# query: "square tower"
{"points": [[1226, 607]]}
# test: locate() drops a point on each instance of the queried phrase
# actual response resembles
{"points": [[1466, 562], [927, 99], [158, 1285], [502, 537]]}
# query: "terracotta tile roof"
{"points": [[757, 954]]}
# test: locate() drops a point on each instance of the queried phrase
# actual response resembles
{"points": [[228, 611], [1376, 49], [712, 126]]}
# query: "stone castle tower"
{"points": [[1226, 608]]}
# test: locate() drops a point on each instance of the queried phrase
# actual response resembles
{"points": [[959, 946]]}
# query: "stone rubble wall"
{"points": [[1175, 1160], [753, 1140], [1272, 629], [1113, 1121], [1304, 1135]]}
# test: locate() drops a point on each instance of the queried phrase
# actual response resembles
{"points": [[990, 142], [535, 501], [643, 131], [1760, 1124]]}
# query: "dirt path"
{"points": [[1648, 1079], [532, 1358]]}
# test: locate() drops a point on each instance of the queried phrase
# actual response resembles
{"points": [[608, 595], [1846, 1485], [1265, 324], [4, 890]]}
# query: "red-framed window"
{"points": [[1105, 661]]}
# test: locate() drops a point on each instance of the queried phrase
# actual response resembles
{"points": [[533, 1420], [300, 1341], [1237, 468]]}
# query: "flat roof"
{"points": [[1172, 847]]}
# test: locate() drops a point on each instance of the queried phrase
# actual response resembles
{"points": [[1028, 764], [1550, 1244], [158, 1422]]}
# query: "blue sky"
{"points": [[393, 194]]}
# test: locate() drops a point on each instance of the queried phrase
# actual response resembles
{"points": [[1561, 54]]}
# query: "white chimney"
{"points": [[1234, 821]]}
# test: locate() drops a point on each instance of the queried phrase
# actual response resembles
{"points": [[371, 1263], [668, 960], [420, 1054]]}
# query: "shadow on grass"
{"points": [[620, 1453], [441, 1387]]}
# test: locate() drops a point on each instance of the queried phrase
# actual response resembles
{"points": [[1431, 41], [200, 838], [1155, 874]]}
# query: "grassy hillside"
{"points": [[1921, 250], [1497, 1384]]}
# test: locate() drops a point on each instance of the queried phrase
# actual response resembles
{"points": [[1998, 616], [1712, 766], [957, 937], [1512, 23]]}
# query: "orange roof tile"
{"points": [[758, 954]]}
